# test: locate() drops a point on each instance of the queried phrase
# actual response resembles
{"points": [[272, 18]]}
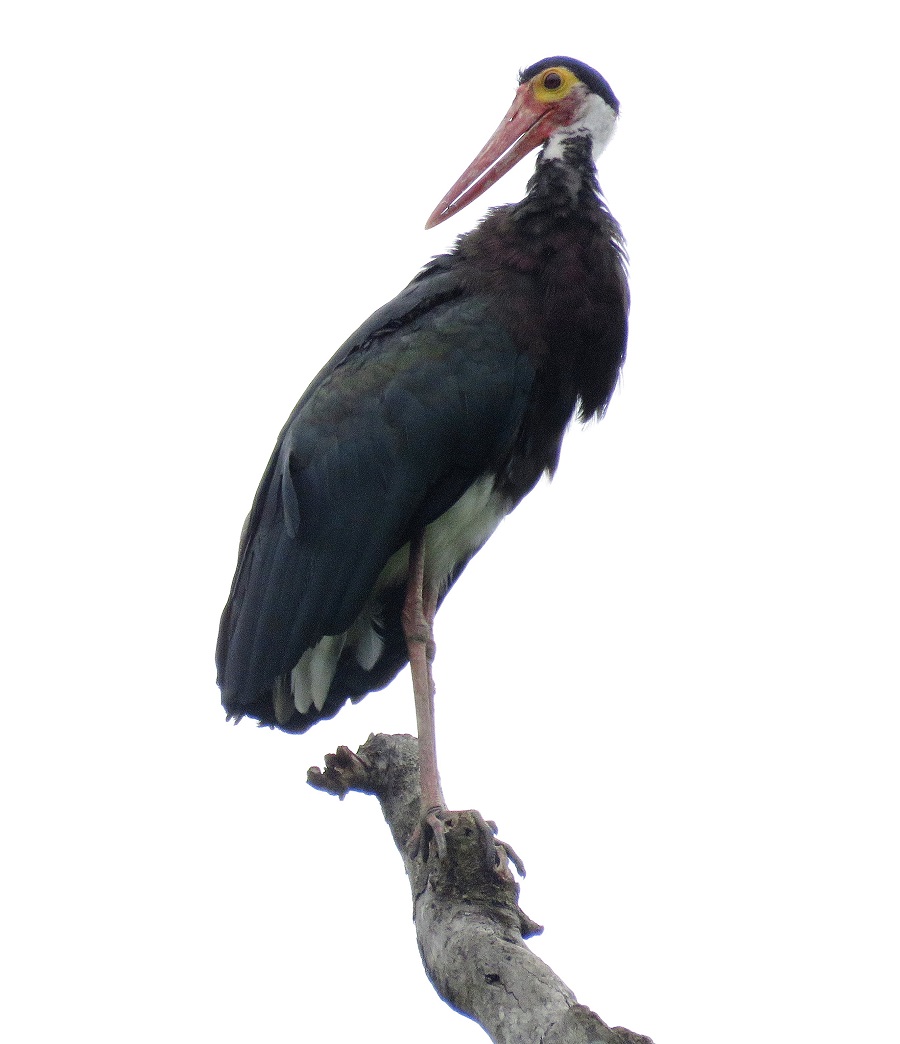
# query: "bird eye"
{"points": [[552, 81]]}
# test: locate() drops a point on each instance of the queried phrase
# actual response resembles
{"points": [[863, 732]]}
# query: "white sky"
{"points": [[672, 675]]}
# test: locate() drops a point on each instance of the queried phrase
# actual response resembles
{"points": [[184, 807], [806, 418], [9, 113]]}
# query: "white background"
{"points": [[671, 676]]}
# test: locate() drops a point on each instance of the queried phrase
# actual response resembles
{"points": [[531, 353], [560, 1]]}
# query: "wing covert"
{"points": [[422, 400]]}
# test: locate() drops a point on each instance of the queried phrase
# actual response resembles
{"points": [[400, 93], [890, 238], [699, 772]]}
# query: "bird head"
{"points": [[558, 98]]}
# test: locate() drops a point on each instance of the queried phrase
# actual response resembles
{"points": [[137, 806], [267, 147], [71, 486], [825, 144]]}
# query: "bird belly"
{"points": [[453, 537], [450, 541]]}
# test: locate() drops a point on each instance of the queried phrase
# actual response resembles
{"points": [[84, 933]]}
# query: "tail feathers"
{"points": [[309, 682], [337, 669]]}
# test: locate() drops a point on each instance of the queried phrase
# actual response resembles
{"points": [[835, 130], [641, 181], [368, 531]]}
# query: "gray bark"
{"points": [[469, 926]]}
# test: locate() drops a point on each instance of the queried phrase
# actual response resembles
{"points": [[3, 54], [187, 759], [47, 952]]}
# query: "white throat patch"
{"points": [[596, 121]]}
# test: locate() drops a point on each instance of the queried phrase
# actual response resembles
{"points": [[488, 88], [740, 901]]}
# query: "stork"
{"points": [[429, 425]]}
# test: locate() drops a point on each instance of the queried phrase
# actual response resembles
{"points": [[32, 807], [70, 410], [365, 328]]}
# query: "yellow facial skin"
{"points": [[553, 84]]}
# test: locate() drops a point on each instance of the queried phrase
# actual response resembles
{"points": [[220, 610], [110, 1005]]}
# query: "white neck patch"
{"points": [[595, 120]]}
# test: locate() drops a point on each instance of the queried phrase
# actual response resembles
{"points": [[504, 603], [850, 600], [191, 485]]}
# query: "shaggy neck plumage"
{"points": [[562, 185]]}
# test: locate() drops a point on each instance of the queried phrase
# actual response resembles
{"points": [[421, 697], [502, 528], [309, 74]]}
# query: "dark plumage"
{"points": [[454, 397]]}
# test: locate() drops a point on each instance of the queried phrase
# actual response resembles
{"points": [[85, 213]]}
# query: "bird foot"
{"points": [[431, 827], [439, 823], [507, 849], [344, 771]]}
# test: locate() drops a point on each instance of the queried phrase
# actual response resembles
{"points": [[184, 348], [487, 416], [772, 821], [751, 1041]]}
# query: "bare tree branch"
{"points": [[469, 925]]}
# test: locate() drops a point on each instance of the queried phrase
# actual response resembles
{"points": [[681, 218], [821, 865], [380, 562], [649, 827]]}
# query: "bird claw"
{"points": [[438, 822], [430, 827], [344, 771], [489, 831], [511, 855]]}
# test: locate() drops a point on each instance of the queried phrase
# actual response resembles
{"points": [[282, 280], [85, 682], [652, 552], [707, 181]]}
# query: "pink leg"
{"points": [[419, 610]]}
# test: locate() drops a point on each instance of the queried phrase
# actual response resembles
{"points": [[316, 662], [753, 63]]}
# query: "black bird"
{"points": [[429, 425]]}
